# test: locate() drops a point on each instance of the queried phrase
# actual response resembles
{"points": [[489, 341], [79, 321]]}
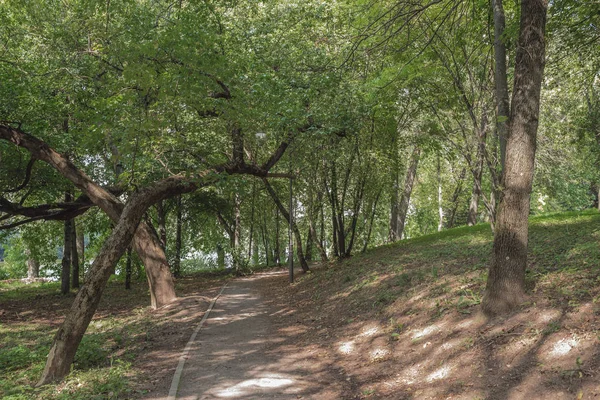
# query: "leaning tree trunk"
{"points": [[411, 174], [286, 215], [145, 243], [70, 333], [505, 288]]}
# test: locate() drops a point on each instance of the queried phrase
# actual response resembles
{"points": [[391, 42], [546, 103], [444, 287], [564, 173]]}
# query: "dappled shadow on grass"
{"points": [[403, 321], [128, 350]]}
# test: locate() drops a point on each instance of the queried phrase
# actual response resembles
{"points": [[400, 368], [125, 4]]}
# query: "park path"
{"points": [[240, 354]]}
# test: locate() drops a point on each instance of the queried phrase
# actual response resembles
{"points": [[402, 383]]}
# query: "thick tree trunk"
{"points": [[500, 78], [409, 181], [286, 215], [506, 280], [146, 243], [74, 257], [86, 301]]}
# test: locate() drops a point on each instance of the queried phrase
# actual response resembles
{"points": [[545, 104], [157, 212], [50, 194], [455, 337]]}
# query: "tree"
{"points": [[505, 288]]}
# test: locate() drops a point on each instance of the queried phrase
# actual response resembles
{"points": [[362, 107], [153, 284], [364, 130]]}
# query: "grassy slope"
{"points": [[403, 320]]}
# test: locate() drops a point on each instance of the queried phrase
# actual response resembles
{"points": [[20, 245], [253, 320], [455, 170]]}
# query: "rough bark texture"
{"points": [[70, 333], [500, 78], [146, 243], [409, 181], [506, 280]]}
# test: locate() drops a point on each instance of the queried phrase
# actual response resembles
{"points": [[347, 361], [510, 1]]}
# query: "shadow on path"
{"points": [[239, 354]]}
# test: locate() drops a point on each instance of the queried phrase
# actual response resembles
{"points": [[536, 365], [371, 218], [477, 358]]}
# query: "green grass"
{"points": [[563, 264]]}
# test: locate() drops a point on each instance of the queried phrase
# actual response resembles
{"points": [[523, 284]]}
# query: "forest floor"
{"points": [[397, 322]]}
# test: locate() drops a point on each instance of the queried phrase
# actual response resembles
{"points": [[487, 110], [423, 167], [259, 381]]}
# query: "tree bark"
{"points": [[162, 224], [80, 242], [33, 266], [409, 181], [501, 79], [128, 269], [477, 175], [74, 257], [505, 288], [220, 256], [286, 215]]}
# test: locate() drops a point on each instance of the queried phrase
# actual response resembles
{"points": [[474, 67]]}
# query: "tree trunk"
{"points": [[178, 240], [286, 215], [146, 243], [505, 288], [477, 175], [500, 79], [277, 250], [455, 197], [237, 231], [70, 333], [33, 266], [74, 257], [80, 241], [65, 275], [128, 269], [408, 187], [220, 256], [162, 224], [440, 198]]}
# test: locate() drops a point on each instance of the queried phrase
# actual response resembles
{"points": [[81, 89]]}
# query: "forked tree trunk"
{"points": [[70, 333], [145, 243], [409, 181], [505, 288]]}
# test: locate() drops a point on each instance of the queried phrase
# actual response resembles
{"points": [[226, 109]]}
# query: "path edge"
{"points": [[177, 376]]}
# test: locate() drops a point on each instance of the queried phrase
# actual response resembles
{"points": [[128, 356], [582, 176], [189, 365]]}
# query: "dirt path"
{"points": [[242, 352]]}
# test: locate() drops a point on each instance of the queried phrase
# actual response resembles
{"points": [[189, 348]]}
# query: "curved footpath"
{"points": [[239, 353]]}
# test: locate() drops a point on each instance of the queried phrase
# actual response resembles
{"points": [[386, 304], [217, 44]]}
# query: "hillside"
{"points": [[403, 322]]}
